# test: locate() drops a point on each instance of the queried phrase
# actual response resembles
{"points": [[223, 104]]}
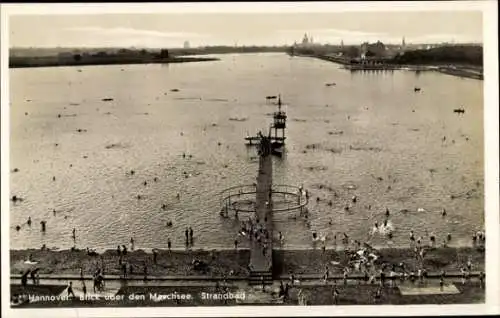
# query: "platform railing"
{"points": [[235, 198]]}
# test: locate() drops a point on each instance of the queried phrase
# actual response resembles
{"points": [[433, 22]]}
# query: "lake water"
{"points": [[370, 125]]}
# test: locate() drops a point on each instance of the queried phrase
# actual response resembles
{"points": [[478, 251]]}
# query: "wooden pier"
{"points": [[261, 251]]}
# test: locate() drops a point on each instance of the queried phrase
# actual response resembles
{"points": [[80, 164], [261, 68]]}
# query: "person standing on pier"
{"points": [[124, 270], [155, 256], [335, 294], [70, 290], [145, 270], [33, 276], [84, 290]]}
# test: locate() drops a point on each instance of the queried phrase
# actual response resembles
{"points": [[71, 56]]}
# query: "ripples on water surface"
{"points": [[369, 125]]}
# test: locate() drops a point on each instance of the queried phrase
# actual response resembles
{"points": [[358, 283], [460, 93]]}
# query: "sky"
{"points": [[201, 29]]}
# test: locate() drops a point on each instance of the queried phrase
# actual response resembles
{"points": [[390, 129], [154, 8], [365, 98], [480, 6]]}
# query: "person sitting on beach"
{"points": [[345, 275], [464, 275], [412, 236], [469, 264], [433, 240], [419, 275]]}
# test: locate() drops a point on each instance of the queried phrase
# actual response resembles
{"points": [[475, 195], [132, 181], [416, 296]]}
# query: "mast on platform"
{"points": [[279, 125]]}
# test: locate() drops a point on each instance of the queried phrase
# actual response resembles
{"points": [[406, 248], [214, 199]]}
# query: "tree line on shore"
{"points": [[453, 54], [472, 55]]}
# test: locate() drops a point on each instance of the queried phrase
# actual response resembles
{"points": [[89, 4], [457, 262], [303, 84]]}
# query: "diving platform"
{"points": [[276, 132]]}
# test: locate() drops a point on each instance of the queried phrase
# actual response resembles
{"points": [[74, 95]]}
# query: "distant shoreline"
{"points": [[32, 62], [451, 69]]}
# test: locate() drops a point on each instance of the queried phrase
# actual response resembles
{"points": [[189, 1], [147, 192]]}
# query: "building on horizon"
{"points": [[307, 41], [187, 45], [377, 49]]}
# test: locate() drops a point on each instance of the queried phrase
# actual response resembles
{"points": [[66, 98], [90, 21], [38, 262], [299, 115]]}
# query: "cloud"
{"points": [[331, 32], [357, 37], [333, 35], [135, 32]]}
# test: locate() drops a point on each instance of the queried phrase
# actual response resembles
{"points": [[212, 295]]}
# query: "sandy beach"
{"points": [[231, 262]]}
